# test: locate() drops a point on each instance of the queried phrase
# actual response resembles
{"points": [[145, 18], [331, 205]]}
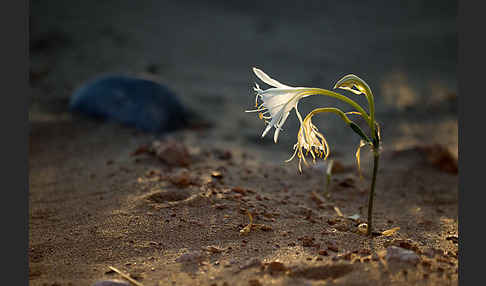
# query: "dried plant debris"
{"points": [[127, 277], [317, 198], [251, 226], [214, 249], [390, 232], [338, 211]]}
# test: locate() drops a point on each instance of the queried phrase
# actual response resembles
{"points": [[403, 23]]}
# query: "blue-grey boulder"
{"points": [[141, 103]]}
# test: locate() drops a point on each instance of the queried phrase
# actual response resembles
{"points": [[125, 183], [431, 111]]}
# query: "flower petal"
{"points": [[279, 126], [273, 122], [266, 79], [362, 143], [269, 126], [349, 81]]}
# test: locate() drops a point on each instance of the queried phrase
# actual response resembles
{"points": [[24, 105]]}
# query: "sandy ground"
{"points": [[95, 202]]}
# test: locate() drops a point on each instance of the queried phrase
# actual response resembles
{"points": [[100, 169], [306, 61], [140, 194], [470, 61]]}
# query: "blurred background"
{"points": [[204, 50]]}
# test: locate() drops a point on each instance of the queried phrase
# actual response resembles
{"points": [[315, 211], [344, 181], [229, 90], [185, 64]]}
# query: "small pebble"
{"points": [[111, 283], [196, 256], [332, 247], [214, 249], [251, 263], [216, 174], [394, 253], [307, 242], [323, 252]]}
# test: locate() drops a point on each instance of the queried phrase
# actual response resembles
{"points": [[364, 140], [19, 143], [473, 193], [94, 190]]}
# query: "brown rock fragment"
{"points": [[276, 266], [323, 252], [171, 152]]}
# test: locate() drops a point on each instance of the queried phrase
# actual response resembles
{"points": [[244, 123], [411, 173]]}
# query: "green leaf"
{"points": [[359, 131]]}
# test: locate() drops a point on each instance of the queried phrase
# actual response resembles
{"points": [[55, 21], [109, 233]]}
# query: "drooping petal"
{"points": [[349, 81], [273, 122], [279, 126], [362, 143], [266, 79], [293, 155], [267, 128]]}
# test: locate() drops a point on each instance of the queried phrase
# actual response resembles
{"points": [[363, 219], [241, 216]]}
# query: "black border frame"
{"points": [[14, 118]]}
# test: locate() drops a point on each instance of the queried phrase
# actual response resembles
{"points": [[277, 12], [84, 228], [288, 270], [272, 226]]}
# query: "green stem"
{"points": [[371, 106], [328, 109], [372, 190], [310, 91]]}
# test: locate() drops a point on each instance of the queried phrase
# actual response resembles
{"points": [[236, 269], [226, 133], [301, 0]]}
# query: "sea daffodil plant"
{"points": [[274, 105]]}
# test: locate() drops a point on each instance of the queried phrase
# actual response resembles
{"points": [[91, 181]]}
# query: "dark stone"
{"points": [[143, 104]]}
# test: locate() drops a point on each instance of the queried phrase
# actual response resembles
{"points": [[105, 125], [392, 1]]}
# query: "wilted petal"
{"points": [[309, 140], [362, 143], [349, 81]]}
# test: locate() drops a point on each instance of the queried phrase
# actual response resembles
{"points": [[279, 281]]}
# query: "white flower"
{"points": [[277, 102]]}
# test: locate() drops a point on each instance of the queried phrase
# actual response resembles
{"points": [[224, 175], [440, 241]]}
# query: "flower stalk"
{"points": [[376, 159], [280, 100]]}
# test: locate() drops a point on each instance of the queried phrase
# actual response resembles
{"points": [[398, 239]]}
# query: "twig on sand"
{"points": [[390, 232], [338, 211], [127, 277], [247, 228], [251, 225]]}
